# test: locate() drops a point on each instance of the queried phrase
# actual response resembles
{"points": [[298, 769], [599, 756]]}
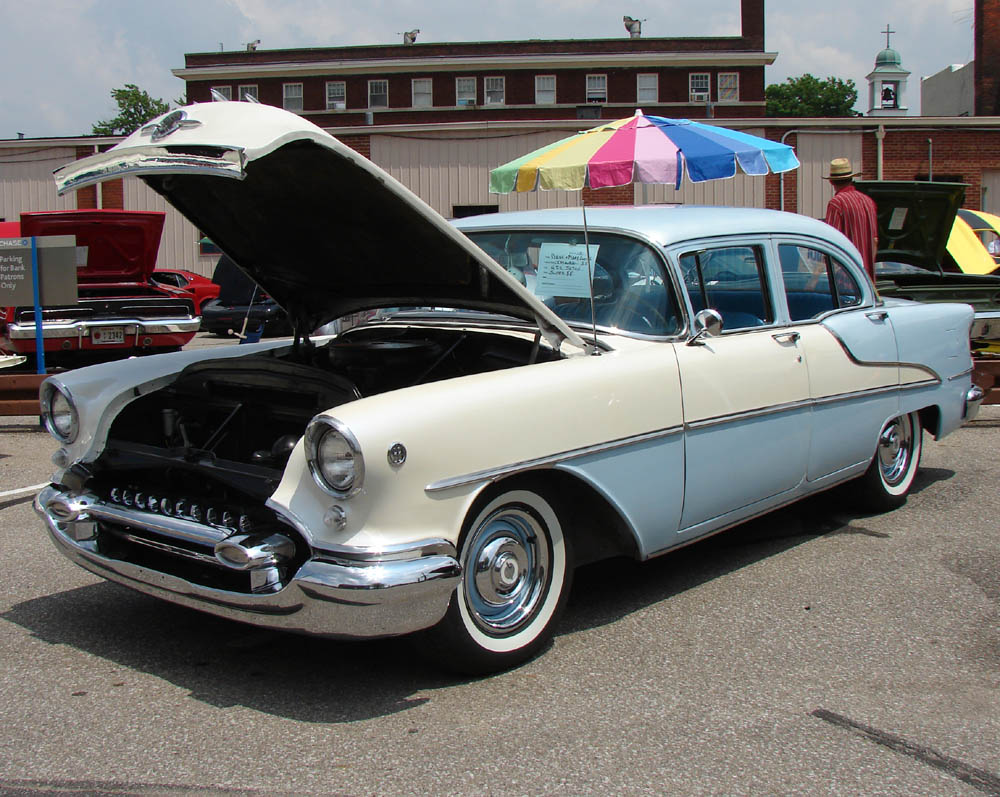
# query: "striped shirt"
{"points": [[853, 213]]}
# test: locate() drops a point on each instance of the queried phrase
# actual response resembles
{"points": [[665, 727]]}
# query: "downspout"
{"points": [[781, 177], [930, 160], [879, 138]]}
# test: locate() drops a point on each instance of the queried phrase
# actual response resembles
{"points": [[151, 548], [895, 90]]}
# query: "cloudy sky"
{"points": [[60, 59]]}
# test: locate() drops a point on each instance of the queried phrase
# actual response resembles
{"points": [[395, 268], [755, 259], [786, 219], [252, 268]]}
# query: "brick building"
{"points": [[492, 81], [443, 150]]}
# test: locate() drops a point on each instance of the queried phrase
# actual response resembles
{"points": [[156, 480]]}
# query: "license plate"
{"points": [[107, 335]]}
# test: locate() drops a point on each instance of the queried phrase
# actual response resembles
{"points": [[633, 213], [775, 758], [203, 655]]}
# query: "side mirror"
{"points": [[707, 324]]}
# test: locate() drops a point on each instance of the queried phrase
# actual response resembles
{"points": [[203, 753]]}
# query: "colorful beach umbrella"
{"points": [[643, 149]]}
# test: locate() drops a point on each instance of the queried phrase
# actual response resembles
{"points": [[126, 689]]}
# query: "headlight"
{"points": [[334, 457], [59, 413]]}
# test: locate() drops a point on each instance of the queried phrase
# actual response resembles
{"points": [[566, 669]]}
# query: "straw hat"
{"points": [[841, 169]]}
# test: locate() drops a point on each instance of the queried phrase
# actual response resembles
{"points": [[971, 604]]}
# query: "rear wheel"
{"points": [[888, 479], [516, 574]]}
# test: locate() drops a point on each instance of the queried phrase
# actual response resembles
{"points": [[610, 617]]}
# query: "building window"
{"points": [[378, 93], [698, 87], [465, 91], [248, 93], [597, 88], [729, 87], [423, 96], [336, 95], [647, 88], [494, 90], [545, 89], [222, 93], [291, 96]]}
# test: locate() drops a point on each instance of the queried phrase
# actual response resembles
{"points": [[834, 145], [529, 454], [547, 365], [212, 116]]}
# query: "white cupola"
{"points": [[887, 82]]}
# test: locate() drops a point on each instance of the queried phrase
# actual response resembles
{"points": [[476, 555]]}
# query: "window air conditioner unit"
{"points": [[338, 105], [467, 101], [699, 96]]}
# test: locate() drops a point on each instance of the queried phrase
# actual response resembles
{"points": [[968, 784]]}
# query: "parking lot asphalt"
{"points": [[812, 651]]}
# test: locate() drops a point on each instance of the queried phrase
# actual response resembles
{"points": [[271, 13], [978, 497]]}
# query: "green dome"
{"points": [[888, 57]]}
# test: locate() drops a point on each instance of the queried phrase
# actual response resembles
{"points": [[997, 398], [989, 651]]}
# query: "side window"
{"points": [[815, 283], [731, 281]]}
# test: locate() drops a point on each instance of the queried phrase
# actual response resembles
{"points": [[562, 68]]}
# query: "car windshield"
{"points": [[627, 287]]}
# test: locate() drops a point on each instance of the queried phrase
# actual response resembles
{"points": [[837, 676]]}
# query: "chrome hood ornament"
{"points": [[171, 123]]}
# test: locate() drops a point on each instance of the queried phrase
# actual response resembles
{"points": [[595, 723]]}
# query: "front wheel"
{"points": [[516, 575], [888, 479]]}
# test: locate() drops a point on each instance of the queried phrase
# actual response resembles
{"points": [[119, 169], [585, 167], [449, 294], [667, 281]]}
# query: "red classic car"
{"points": [[200, 288], [120, 311]]}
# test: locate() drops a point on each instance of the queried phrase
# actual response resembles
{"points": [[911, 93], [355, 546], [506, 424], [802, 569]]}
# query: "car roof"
{"points": [[665, 224]]}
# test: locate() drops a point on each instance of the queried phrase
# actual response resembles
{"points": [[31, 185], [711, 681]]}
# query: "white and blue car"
{"points": [[529, 394]]}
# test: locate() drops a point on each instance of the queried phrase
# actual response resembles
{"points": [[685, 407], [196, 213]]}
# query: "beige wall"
{"points": [[991, 191], [26, 182], [815, 151], [179, 244], [454, 168]]}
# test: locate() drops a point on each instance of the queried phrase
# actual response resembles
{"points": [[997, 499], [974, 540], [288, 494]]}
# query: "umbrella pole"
{"points": [[590, 278]]}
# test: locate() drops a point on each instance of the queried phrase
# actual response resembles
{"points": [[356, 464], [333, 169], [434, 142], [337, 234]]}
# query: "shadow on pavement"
{"points": [[225, 663]]}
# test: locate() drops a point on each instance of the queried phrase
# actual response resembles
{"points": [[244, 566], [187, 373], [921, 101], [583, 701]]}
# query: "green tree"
{"points": [[810, 96], [135, 108]]}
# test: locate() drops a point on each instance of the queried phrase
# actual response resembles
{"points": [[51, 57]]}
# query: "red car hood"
{"points": [[121, 245]]}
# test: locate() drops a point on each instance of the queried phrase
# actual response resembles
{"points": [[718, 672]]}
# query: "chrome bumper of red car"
{"points": [[133, 327]]}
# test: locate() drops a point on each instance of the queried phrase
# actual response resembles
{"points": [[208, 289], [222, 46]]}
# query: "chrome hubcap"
{"points": [[506, 568], [895, 446]]}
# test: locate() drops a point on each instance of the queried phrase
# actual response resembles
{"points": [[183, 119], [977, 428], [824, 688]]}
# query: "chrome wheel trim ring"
{"points": [[895, 450], [506, 569]]}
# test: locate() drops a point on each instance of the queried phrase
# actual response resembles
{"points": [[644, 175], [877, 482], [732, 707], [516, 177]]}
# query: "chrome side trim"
{"points": [[965, 373], [435, 546], [705, 423], [886, 364], [78, 328], [490, 474], [749, 414]]}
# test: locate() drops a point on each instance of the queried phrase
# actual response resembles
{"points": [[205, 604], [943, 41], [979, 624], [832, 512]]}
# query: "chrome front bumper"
{"points": [[345, 593]]}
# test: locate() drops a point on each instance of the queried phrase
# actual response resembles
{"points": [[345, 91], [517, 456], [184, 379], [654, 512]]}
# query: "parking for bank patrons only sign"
{"points": [[56, 266]]}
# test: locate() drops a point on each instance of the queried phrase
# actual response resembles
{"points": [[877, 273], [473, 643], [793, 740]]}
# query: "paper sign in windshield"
{"points": [[563, 270]]}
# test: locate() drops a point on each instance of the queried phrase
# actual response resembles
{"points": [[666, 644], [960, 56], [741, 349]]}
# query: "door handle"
{"points": [[878, 315], [786, 337]]}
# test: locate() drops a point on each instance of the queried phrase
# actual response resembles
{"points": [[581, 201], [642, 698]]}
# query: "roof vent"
{"points": [[633, 26]]}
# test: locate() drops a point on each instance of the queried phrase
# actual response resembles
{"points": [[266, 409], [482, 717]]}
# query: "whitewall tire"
{"points": [[890, 476], [516, 574]]}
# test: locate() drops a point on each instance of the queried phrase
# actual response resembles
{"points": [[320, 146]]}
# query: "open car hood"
{"points": [[319, 227], [914, 219], [120, 245]]}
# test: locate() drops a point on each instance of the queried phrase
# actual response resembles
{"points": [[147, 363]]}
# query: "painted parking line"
{"points": [[20, 490]]}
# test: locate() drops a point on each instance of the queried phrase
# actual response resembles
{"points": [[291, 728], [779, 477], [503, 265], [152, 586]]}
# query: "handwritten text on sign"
{"points": [[563, 270]]}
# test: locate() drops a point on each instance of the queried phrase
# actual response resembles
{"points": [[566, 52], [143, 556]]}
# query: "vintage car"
{"points": [[120, 310], [924, 252], [972, 228], [240, 306], [198, 288], [440, 469]]}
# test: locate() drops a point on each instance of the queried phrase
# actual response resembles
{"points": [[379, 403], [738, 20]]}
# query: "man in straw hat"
{"points": [[852, 212]]}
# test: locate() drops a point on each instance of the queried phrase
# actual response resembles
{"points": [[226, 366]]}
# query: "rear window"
{"points": [[815, 282]]}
